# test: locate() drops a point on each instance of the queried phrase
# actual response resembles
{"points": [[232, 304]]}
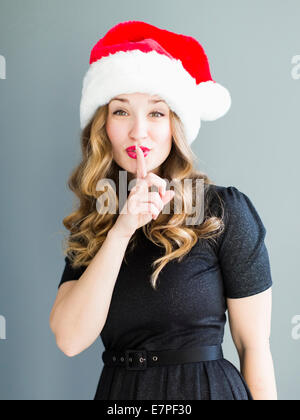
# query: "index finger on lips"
{"points": [[141, 169]]}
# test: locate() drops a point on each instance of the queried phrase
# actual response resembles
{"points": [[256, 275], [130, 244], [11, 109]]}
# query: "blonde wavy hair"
{"points": [[88, 227]]}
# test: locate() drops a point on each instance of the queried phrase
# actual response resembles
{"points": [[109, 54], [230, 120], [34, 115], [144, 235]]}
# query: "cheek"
{"points": [[164, 136], [162, 131], [114, 133]]}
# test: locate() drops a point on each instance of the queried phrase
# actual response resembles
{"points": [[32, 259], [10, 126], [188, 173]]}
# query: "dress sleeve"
{"points": [[70, 273], [242, 253]]}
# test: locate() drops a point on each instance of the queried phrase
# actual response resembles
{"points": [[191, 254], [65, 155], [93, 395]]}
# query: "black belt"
{"points": [[139, 359]]}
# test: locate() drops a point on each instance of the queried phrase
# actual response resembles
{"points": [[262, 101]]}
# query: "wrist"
{"points": [[116, 232]]}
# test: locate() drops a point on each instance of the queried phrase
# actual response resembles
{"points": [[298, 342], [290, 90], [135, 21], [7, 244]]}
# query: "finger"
{"points": [[141, 169], [160, 183], [154, 197], [148, 208], [168, 196], [161, 202], [140, 188]]}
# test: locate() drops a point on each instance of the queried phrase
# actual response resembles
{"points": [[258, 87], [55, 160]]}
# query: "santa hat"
{"points": [[135, 57]]}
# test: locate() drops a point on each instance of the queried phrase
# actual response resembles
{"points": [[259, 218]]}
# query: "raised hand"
{"points": [[141, 205]]}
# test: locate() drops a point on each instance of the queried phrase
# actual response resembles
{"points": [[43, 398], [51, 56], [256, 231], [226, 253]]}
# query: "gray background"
{"points": [[255, 147]]}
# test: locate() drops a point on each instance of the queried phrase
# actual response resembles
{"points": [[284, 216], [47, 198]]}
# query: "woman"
{"points": [[156, 284]]}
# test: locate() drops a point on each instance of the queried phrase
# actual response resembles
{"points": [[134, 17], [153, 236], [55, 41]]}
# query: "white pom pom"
{"points": [[214, 100]]}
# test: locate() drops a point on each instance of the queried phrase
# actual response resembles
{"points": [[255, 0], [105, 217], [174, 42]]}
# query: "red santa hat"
{"points": [[135, 57]]}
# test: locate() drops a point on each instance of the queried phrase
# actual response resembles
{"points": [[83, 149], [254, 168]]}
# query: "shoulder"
{"points": [[237, 209], [228, 194], [232, 198], [71, 272]]}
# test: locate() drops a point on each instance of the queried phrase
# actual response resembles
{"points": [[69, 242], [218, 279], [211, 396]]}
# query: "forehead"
{"points": [[128, 98]]}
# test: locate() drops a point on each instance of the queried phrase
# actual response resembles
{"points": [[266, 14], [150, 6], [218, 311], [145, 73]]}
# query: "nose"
{"points": [[139, 129]]}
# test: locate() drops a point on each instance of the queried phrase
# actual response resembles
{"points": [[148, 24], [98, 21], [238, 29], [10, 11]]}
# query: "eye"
{"points": [[155, 112], [116, 112]]}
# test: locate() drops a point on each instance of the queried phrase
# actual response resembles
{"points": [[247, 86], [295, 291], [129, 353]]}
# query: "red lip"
{"points": [[132, 149]]}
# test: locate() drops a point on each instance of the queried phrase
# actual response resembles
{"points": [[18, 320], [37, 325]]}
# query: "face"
{"points": [[143, 120]]}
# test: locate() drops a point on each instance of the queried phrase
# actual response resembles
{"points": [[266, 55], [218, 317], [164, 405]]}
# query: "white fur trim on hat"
{"points": [[214, 99], [156, 74]]}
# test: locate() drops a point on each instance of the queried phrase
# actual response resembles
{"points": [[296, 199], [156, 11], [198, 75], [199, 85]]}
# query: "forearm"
{"points": [[257, 368], [80, 316]]}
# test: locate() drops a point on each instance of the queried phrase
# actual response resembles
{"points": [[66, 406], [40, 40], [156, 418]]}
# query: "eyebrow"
{"points": [[151, 101]]}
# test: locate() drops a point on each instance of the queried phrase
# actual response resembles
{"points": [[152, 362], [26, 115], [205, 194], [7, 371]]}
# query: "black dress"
{"points": [[187, 310]]}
